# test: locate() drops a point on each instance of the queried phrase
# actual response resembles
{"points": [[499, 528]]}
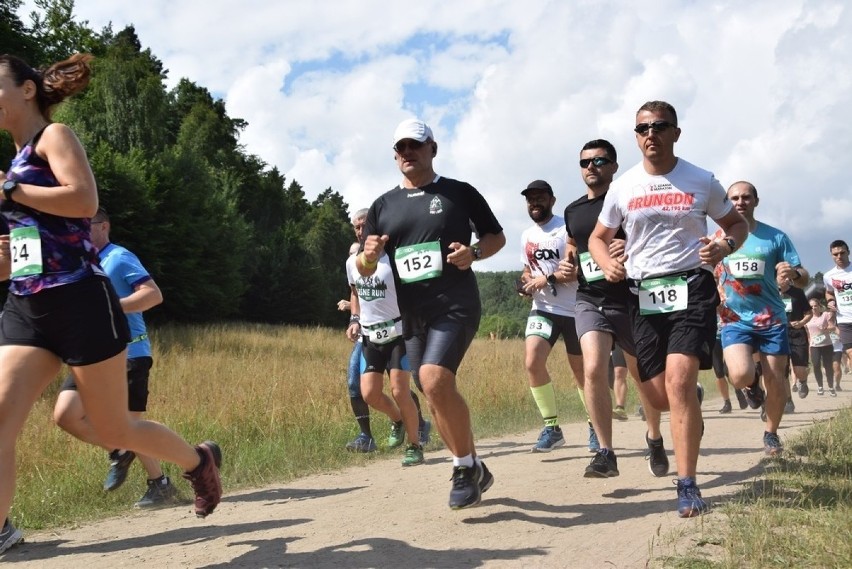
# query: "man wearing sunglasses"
{"points": [[838, 293], [754, 317], [601, 315], [663, 204], [424, 225]]}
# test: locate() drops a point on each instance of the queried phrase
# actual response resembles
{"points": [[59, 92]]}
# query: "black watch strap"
{"points": [[9, 188]]}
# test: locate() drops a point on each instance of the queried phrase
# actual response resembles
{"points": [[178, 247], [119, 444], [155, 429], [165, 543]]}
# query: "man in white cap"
{"points": [[424, 225]]}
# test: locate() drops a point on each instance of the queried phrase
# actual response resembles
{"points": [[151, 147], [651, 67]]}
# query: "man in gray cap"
{"points": [[424, 225], [552, 315]]}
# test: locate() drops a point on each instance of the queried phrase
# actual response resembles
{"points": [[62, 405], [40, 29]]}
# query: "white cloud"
{"points": [[763, 91]]}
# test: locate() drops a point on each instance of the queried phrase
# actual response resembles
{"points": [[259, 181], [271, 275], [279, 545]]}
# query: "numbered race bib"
{"points": [[591, 271], [844, 298], [419, 262], [788, 305], [663, 295], [384, 332], [818, 339], [539, 326], [745, 267], [25, 247]]}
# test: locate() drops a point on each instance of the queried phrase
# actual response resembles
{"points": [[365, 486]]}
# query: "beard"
{"points": [[541, 214]]}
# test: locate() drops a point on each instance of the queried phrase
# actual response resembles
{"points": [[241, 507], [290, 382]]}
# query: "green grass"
{"points": [[797, 515], [274, 398]]}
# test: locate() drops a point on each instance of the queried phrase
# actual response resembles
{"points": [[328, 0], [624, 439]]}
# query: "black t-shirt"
{"points": [[581, 216], [444, 211], [799, 303]]}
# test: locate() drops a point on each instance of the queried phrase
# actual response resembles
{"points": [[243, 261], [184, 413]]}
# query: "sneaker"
{"points": [[832, 392], [820, 391], [424, 433], [619, 413], [10, 536], [119, 464], [803, 389], [205, 479], [161, 492], [466, 491], [640, 412], [397, 435], [549, 439], [689, 501], [772, 444], [487, 479], [789, 407], [658, 461], [726, 407], [754, 395], [763, 412], [700, 392], [603, 465], [594, 445], [795, 387], [413, 455], [837, 387], [741, 399], [362, 443]]}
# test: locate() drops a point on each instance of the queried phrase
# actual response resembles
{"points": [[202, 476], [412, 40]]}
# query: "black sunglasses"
{"points": [[598, 161], [656, 126], [404, 145]]}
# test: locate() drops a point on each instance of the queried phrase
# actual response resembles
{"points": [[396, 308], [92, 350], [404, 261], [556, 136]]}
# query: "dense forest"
{"points": [[223, 233]]}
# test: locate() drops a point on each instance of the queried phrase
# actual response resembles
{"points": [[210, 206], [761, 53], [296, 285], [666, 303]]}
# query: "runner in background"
{"points": [[552, 315]]}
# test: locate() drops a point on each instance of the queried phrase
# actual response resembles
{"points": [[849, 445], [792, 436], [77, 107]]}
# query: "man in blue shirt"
{"points": [[753, 315], [138, 292]]}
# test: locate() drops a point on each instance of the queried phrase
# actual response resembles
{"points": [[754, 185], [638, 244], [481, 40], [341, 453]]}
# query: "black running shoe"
{"points": [[658, 461], [754, 395], [466, 491], [487, 479], [603, 465], [119, 464]]}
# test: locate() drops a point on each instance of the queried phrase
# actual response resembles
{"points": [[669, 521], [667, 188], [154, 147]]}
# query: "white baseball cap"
{"points": [[415, 129]]}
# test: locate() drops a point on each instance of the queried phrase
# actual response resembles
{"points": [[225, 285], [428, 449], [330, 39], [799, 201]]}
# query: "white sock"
{"points": [[466, 460]]}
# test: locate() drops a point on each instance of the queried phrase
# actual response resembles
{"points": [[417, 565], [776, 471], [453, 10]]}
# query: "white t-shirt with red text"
{"points": [[839, 281], [664, 217]]}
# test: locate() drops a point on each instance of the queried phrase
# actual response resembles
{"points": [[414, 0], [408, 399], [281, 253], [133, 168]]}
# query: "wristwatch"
{"points": [[477, 252], [731, 243], [9, 186], [551, 279]]}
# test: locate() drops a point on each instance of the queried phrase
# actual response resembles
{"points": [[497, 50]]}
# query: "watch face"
{"points": [[8, 185]]}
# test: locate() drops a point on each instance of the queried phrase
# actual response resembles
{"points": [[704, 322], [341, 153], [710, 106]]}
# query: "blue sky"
{"points": [[514, 89]]}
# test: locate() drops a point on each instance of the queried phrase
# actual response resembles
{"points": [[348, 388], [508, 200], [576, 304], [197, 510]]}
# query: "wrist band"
{"points": [[355, 319], [367, 264]]}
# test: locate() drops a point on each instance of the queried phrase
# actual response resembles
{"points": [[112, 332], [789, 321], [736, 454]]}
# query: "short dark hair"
{"points": [[749, 184], [659, 106], [101, 214], [839, 243], [605, 144]]}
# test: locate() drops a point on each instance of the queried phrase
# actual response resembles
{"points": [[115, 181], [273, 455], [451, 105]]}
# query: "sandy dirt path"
{"points": [[540, 512]]}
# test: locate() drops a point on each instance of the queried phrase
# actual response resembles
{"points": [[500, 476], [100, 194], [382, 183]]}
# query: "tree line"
{"points": [[225, 235]]}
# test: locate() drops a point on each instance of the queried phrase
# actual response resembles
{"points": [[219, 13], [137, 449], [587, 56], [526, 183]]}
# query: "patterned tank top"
{"points": [[67, 253]]}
